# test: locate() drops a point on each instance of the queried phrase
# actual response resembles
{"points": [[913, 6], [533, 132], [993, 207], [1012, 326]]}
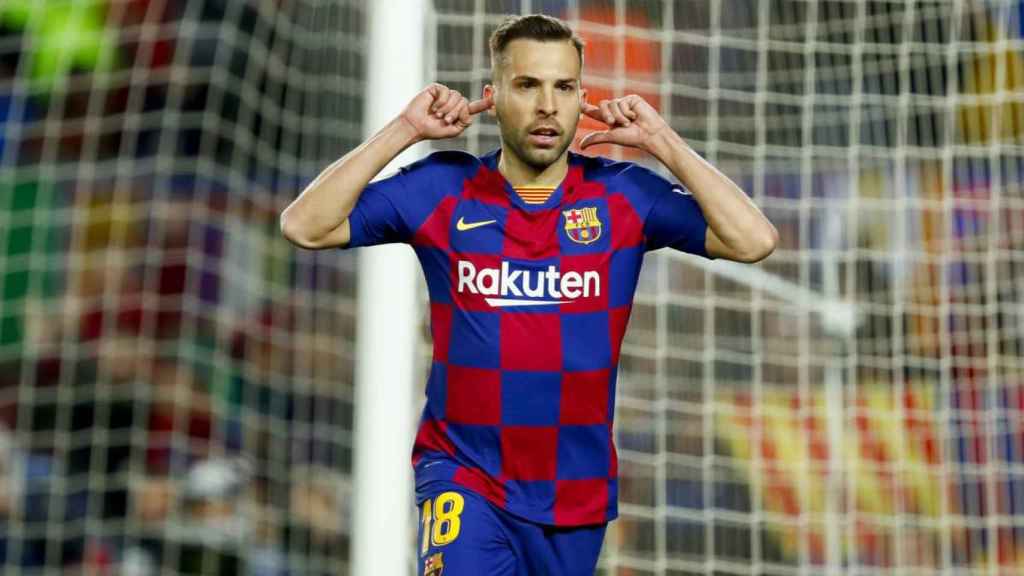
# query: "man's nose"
{"points": [[546, 102]]}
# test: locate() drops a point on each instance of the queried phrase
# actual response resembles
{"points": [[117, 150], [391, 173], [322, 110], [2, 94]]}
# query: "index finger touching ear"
{"points": [[593, 111], [478, 106], [463, 114]]}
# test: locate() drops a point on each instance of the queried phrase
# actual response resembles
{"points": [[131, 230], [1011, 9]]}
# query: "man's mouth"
{"points": [[544, 136]]}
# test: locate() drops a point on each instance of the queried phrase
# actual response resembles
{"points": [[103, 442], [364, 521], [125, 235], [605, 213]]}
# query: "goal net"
{"points": [[852, 404], [176, 380]]}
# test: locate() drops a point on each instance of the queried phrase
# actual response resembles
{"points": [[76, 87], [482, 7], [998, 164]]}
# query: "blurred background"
{"points": [[176, 380]]}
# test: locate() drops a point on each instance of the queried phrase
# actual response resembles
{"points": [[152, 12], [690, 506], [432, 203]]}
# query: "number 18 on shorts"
{"points": [[461, 533]]}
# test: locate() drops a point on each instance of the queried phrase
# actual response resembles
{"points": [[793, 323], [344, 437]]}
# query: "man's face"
{"points": [[537, 99]]}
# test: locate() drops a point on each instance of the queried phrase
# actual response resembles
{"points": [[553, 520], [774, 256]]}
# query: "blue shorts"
{"points": [[461, 533]]}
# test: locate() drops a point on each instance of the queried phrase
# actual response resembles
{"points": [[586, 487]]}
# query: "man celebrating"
{"points": [[531, 255]]}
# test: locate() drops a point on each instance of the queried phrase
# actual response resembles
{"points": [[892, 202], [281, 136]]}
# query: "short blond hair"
{"points": [[533, 27]]}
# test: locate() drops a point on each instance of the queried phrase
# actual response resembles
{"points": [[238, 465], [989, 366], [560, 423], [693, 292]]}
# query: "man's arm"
{"points": [[737, 230], [318, 218]]}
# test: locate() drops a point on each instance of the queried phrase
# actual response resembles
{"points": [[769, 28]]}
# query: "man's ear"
{"points": [[583, 98], [489, 92]]}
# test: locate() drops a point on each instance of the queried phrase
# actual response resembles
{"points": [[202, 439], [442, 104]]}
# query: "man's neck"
{"points": [[520, 174]]}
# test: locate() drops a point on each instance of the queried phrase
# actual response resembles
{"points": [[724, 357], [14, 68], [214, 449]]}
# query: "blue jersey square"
{"points": [[435, 264], [530, 398], [576, 464], [613, 498], [437, 390], [586, 343], [481, 443], [613, 378], [533, 491], [475, 339], [676, 220], [623, 272], [477, 228]]}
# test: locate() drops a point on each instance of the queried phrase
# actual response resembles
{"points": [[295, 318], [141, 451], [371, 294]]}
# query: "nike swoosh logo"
{"points": [[462, 225]]}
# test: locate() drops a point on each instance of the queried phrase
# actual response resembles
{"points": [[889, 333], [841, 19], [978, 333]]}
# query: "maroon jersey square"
{"points": [[584, 397], [531, 341], [480, 482], [487, 185], [431, 437], [441, 330], [618, 319], [627, 228], [529, 452], [581, 501], [436, 230], [531, 235], [473, 396]]}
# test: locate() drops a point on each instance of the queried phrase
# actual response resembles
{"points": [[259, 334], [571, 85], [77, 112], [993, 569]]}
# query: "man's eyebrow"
{"points": [[525, 77]]}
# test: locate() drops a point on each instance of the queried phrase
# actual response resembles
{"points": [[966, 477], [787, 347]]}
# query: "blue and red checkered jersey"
{"points": [[528, 306]]}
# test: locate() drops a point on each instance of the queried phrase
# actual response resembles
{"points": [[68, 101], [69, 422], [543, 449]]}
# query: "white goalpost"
{"points": [[389, 313]]}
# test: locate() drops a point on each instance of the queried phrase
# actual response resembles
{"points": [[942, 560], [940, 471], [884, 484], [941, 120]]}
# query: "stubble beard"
{"points": [[537, 159]]}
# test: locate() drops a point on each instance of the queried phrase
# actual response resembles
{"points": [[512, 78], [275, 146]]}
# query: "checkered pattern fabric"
{"points": [[529, 304]]}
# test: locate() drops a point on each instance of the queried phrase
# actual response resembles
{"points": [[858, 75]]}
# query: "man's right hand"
{"points": [[318, 218], [439, 112]]}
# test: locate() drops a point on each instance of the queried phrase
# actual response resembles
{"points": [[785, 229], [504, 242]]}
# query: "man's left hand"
{"points": [[631, 120]]}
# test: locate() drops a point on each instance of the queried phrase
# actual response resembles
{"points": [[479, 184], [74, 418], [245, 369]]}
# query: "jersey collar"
{"points": [[490, 160]]}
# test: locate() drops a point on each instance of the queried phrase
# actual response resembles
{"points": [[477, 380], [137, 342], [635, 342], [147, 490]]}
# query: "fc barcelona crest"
{"points": [[434, 565], [582, 224]]}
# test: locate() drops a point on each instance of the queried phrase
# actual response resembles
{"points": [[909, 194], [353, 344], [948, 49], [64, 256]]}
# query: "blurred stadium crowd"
{"points": [[161, 402]]}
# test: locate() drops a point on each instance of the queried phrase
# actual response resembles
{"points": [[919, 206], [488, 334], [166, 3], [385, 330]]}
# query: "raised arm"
{"points": [[318, 218], [737, 230]]}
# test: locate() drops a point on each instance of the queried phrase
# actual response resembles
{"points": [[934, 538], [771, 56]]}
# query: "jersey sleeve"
{"points": [[391, 209], [671, 217], [676, 221]]}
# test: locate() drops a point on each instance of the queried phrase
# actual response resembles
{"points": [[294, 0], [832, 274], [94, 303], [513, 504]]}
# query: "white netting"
{"points": [[175, 378], [169, 365], [853, 403]]}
